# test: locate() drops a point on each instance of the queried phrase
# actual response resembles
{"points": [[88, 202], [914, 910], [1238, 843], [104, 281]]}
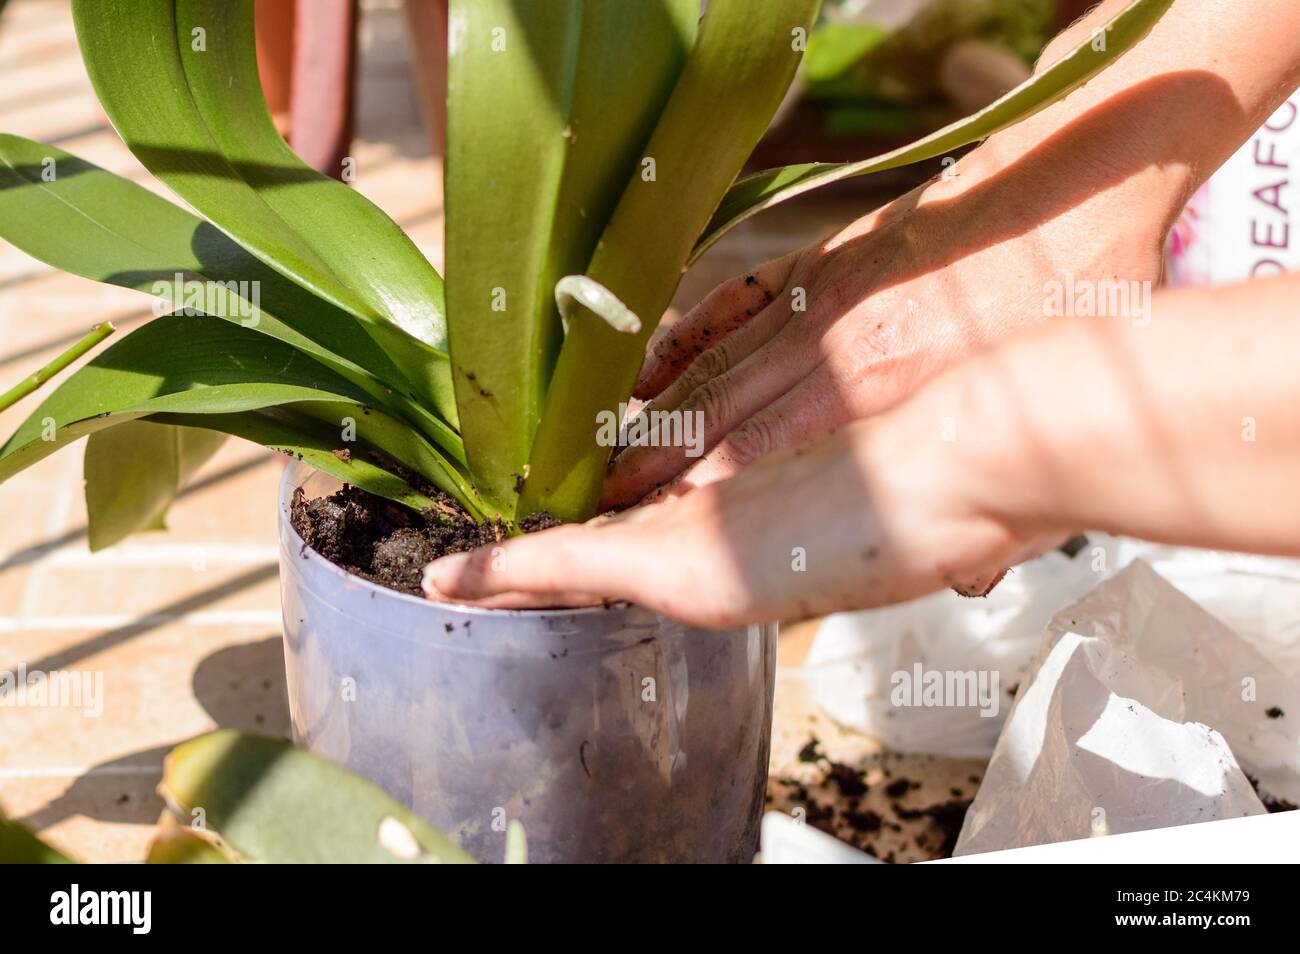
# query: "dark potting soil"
{"points": [[1271, 805], [387, 543], [875, 816]]}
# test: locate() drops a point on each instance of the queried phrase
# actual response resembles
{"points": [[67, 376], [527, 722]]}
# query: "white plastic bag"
{"points": [[850, 669], [1141, 710], [1257, 597], [856, 655]]}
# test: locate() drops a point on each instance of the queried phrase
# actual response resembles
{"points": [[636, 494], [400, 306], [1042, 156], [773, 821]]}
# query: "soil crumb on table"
{"points": [[872, 807], [389, 544]]}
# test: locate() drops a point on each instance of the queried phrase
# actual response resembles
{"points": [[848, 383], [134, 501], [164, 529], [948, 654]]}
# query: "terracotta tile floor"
{"points": [[183, 627]]}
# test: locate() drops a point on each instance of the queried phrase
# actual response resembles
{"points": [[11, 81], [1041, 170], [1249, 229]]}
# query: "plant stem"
{"points": [[41, 375]]}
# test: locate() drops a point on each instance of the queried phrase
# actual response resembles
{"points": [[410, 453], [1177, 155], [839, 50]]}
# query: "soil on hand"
{"points": [[387, 543]]}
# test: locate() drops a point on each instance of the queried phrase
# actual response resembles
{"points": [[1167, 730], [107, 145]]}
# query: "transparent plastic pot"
{"points": [[612, 733]]}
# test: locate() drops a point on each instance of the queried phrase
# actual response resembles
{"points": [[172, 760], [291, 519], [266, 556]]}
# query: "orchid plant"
{"points": [[594, 153]]}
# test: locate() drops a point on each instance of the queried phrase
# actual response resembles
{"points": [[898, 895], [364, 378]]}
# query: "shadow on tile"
{"points": [[240, 687]]}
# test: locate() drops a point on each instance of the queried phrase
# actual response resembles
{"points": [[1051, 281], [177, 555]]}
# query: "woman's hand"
{"points": [[1187, 433], [847, 328], [1084, 191], [1178, 429], [878, 512]]}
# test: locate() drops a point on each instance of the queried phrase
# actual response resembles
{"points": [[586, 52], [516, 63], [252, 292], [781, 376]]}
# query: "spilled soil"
{"points": [[871, 806]]}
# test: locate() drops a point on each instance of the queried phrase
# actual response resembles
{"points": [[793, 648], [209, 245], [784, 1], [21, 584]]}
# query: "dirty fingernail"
{"points": [[980, 587]]}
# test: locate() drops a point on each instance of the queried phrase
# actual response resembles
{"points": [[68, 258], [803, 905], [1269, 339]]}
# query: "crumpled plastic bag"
{"points": [[1141, 710], [1257, 597], [854, 656]]}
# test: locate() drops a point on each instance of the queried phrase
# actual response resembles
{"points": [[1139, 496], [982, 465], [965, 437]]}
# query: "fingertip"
{"points": [[429, 585], [661, 367], [446, 578], [644, 389], [980, 586], [615, 493]]}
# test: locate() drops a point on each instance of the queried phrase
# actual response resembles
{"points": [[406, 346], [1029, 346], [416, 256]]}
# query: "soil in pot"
{"points": [[389, 544]]}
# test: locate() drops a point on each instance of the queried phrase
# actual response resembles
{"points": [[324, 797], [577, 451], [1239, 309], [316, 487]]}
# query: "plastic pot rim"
{"points": [[296, 474]]}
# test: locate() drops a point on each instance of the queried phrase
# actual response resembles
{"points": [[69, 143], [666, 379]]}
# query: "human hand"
{"points": [[881, 511], [1126, 428], [846, 328], [892, 300]]}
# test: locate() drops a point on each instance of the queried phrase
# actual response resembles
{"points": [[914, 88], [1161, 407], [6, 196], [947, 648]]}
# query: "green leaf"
{"points": [[134, 471], [79, 218], [271, 802], [177, 844], [176, 363], [835, 47], [310, 430], [355, 239], [733, 81], [18, 846], [308, 440], [549, 108], [178, 78], [182, 365], [755, 193]]}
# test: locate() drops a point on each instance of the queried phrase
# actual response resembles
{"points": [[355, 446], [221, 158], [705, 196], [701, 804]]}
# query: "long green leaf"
{"points": [[307, 440], [395, 440], [178, 79], [184, 365], [549, 107], [176, 363], [763, 190], [352, 236], [82, 219], [733, 81], [134, 471], [271, 802]]}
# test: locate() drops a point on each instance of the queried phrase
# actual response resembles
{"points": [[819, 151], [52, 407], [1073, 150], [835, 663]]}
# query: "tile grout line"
{"points": [[75, 771], [58, 516], [166, 555], [120, 620]]}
